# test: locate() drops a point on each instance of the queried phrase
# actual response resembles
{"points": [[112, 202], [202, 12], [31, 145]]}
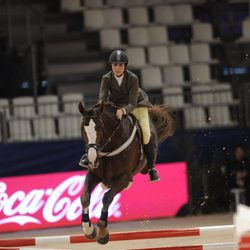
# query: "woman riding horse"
{"points": [[114, 152], [121, 87]]}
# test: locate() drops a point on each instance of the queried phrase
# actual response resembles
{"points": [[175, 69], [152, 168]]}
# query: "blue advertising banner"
{"points": [[58, 156]]}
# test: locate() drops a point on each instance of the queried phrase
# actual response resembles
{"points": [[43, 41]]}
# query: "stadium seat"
{"points": [[203, 32], [135, 2], [69, 126], [195, 117], [20, 129], [200, 73], [222, 93], [157, 35], [202, 95], [245, 37], [220, 116], [173, 97], [138, 36], [173, 75], [163, 14], [113, 18], [71, 5], [110, 38], [179, 54], [117, 3], [201, 53], [93, 3], [4, 107], [183, 14], [138, 16], [94, 19], [158, 55], [151, 78], [137, 57], [44, 128], [48, 105], [23, 106], [70, 102]]}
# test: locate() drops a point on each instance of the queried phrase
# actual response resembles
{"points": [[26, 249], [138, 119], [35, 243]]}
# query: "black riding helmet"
{"points": [[118, 56]]}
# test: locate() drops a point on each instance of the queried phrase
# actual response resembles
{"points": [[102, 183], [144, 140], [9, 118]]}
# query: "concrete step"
{"points": [[64, 50], [60, 69]]}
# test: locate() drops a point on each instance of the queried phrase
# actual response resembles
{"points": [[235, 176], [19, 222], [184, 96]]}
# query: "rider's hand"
{"points": [[119, 114]]}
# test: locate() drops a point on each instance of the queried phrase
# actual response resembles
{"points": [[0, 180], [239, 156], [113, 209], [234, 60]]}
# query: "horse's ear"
{"points": [[81, 108]]}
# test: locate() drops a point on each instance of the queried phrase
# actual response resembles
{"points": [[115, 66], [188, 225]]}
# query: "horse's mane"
{"points": [[164, 121]]}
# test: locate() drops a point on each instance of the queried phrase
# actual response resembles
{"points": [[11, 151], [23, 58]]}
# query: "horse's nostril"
{"points": [[94, 165]]}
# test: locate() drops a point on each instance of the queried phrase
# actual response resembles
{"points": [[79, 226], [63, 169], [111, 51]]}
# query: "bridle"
{"points": [[99, 148]]}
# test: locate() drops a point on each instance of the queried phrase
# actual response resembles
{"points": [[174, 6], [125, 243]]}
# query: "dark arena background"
{"points": [[191, 55]]}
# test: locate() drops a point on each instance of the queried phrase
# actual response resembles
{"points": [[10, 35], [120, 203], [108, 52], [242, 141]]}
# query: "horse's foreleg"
{"points": [[90, 182], [117, 187]]}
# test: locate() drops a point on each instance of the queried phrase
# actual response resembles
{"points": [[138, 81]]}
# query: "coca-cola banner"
{"points": [[53, 200]]}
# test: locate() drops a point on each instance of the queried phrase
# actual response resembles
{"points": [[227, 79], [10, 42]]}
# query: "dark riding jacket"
{"points": [[128, 95]]}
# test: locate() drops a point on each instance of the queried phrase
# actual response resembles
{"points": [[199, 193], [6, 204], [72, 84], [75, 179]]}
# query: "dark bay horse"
{"points": [[115, 155]]}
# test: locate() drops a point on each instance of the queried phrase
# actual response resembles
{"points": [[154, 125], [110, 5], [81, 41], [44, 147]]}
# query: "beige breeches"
{"points": [[141, 114]]}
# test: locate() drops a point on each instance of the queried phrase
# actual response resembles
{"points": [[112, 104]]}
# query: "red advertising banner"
{"points": [[53, 200]]}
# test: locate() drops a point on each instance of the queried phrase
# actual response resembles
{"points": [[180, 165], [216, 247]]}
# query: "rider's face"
{"points": [[118, 68]]}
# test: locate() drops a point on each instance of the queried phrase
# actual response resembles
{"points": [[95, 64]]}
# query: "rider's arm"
{"points": [[133, 93], [103, 91]]}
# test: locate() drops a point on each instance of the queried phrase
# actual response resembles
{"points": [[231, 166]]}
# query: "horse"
{"points": [[115, 155]]}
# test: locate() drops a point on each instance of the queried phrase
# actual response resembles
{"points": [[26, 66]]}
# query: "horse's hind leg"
{"points": [[117, 187], [90, 182]]}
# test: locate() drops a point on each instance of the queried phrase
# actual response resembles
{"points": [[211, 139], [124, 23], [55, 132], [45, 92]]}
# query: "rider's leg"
{"points": [[141, 113]]}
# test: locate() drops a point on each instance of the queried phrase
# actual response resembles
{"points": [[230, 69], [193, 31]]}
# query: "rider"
{"points": [[121, 87]]}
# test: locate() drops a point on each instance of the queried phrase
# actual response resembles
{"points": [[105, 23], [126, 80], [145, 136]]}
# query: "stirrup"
{"points": [[84, 162], [153, 175]]}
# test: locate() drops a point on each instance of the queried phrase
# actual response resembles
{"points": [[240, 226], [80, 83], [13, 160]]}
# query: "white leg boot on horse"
{"points": [[90, 183]]}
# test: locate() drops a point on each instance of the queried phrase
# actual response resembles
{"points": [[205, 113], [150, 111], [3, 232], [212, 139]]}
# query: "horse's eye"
{"points": [[85, 121], [99, 124]]}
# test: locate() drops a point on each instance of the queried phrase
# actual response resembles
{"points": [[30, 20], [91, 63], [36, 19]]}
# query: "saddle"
{"points": [[138, 128]]}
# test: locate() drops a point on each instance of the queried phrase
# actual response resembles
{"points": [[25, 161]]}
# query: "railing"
{"points": [[46, 121]]}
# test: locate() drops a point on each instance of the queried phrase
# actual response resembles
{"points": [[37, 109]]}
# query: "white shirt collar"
{"points": [[119, 79]]}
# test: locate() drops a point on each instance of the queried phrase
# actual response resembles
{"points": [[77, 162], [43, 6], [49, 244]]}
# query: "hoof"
{"points": [[89, 231], [102, 235], [92, 235], [104, 240]]}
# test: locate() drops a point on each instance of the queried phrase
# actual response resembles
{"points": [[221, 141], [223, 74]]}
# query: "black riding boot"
{"points": [[149, 150]]}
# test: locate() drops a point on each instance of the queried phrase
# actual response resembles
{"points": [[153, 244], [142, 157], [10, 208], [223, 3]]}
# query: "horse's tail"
{"points": [[164, 121]]}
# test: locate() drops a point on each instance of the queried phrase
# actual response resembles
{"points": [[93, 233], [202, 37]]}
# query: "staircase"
{"points": [[71, 56], [74, 61]]}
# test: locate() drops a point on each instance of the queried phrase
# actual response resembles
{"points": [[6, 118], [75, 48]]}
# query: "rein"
{"points": [[109, 139], [119, 149]]}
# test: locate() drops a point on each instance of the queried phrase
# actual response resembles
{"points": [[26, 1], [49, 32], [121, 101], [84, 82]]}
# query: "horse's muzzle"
{"points": [[95, 162], [94, 165]]}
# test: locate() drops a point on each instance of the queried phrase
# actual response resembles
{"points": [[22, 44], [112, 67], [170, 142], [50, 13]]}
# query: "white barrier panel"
{"points": [[242, 220]]}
